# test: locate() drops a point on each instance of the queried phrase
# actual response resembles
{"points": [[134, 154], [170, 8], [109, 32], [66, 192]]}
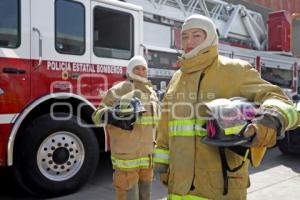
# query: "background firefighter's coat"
{"points": [[193, 167], [138, 143]]}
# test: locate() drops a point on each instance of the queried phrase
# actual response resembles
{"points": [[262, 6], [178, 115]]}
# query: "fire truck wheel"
{"points": [[289, 145], [283, 145], [55, 157]]}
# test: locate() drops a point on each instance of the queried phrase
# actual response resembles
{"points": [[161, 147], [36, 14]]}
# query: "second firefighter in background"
{"points": [[131, 150]]}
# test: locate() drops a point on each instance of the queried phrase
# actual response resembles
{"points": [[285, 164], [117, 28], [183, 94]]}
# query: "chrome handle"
{"points": [[40, 47], [145, 51]]}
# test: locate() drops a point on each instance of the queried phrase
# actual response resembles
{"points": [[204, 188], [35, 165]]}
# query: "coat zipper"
{"points": [[198, 90]]}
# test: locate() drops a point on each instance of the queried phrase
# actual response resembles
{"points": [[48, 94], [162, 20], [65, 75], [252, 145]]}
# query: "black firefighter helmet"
{"points": [[127, 107], [125, 112]]}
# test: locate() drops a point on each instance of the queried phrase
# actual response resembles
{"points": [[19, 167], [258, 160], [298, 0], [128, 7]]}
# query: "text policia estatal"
{"points": [[84, 67]]}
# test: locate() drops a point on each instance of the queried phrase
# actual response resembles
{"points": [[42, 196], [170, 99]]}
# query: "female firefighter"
{"points": [[191, 168], [132, 131]]}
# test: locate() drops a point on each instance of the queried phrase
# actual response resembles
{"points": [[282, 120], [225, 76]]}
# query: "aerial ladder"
{"points": [[234, 22]]}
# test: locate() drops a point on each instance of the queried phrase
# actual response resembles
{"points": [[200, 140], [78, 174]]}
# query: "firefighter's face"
{"points": [[191, 38], [140, 70]]}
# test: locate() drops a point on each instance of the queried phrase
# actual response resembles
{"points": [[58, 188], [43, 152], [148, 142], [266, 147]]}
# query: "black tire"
{"points": [[55, 157], [283, 146], [290, 145]]}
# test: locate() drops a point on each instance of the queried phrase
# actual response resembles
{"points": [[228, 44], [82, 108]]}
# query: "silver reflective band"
{"points": [[162, 156], [187, 128], [8, 118]]}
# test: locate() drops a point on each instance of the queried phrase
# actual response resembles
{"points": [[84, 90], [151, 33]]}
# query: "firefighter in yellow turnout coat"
{"points": [[131, 150], [190, 168]]}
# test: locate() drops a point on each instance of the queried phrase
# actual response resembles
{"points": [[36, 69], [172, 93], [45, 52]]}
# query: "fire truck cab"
{"points": [[57, 57]]}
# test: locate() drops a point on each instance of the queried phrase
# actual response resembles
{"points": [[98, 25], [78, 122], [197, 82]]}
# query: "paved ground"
{"points": [[278, 178]]}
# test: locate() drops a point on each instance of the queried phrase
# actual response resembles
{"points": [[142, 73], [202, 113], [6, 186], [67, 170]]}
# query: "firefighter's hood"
{"points": [[133, 62], [207, 25]]}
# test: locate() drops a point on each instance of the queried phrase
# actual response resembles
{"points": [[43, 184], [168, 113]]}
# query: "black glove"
{"points": [[123, 122]]}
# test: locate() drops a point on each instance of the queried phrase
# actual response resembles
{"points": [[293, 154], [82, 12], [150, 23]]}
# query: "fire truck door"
{"points": [[60, 44], [116, 36], [14, 58]]}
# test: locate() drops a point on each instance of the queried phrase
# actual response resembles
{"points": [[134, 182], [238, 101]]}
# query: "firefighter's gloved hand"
{"points": [[264, 130], [127, 124], [128, 102], [263, 136], [123, 122]]}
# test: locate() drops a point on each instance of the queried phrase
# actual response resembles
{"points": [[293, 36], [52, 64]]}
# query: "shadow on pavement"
{"points": [[9, 189], [274, 158], [100, 186]]}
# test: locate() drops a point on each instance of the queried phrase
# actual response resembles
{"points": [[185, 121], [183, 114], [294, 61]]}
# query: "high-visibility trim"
{"points": [[233, 130], [185, 197], [126, 110], [186, 127], [199, 121], [188, 133], [142, 162], [147, 120], [289, 111], [191, 127], [161, 156]]}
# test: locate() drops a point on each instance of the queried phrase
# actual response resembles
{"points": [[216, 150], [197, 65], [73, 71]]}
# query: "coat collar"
{"points": [[201, 61]]}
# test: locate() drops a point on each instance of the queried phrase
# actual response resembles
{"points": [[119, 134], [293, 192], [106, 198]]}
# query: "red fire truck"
{"points": [[57, 57]]}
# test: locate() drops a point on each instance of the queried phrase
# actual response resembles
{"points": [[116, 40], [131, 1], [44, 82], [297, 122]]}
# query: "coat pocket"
{"points": [[123, 142], [236, 180]]}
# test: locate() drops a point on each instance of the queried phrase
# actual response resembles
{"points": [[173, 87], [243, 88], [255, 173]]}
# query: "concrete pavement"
{"points": [[277, 178]]}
